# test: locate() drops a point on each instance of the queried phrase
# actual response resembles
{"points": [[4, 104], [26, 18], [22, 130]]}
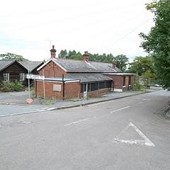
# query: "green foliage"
{"points": [[121, 61], [141, 65], [63, 54], [74, 55], [149, 77], [157, 42], [137, 86], [11, 86], [18, 86], [11, 56], [70, 55], [105, 58]]}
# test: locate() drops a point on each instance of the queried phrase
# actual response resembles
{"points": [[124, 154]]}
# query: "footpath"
{"points": [[14, 103]]}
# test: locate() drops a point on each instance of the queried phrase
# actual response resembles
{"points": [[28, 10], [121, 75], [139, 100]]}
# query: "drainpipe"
{"points": [[29, 85], [44, 85], [63, 86]]}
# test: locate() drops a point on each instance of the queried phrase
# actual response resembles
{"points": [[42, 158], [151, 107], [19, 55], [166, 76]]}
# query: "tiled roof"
{"points": [[81, 66], [86, 77], [30, 65], [104, 67], [5, 64], [81, 77]]}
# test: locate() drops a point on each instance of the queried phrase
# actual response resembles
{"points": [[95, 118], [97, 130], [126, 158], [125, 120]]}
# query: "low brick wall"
{"points": [[54, 90], [96, 93]]}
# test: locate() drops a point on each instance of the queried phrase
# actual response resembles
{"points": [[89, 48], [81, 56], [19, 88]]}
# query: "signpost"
{"points": [[33, 76], [37, 77]]}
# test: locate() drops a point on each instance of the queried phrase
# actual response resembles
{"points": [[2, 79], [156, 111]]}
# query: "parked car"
{"points": [[157, 85]]}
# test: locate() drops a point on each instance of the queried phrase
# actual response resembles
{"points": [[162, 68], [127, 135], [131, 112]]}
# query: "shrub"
{"points": [[11, 86], [137, 86], [17, 86]]}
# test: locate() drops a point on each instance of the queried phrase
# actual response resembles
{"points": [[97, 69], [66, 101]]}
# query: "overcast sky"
{"points": [[29, 28]]}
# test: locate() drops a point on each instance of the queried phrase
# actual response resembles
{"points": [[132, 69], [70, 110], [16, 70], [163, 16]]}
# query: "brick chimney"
{"points": [[113, 65], [86, 56], [53, 52]]}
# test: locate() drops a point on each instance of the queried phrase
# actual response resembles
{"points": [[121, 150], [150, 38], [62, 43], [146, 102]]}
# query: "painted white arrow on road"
{"points": [[145, 141]]}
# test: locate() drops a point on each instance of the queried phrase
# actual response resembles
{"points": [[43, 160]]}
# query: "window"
{"points": [[22, 76], [6, 76], [105, 84], [108, 84], [124, 80], [94, 86], [102, 85]]}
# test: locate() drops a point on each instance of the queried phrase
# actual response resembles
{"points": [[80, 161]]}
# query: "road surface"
{"points": [[115, 135]]}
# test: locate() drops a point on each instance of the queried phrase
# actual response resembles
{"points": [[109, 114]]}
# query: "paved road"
{"points": [[115, 135], [14, 103]]}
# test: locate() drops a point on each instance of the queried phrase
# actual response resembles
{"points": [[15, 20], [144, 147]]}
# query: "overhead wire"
{"points": [[80, 16]]}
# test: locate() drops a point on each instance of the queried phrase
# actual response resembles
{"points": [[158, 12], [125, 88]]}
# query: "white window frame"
{"points": [[6, 76], [22, 76]]}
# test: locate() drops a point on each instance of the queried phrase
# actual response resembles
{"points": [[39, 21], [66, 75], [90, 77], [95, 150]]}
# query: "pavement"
{"points": [[14, 103]]}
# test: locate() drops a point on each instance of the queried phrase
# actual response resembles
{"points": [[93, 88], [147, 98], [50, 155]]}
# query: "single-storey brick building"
{"points": [[64, 78]]}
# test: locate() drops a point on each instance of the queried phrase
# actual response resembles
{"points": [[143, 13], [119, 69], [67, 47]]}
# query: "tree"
{"points": [[121, 61], [106, 58], [74, 55], [70, 55], [157, 42], [63, 54], [11, 56], [141, 65]]}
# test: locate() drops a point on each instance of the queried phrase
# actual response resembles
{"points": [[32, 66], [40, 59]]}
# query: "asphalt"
{"points": [[14, 103]]}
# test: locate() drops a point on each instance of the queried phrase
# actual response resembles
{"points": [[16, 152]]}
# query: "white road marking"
{"points": [[82, 120], [79, 121], [52, 108], [25, 122], [119, 109], [146, 141]]}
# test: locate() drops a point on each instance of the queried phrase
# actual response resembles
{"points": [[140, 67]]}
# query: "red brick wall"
{"points": [[71, 90], [52, 70], [47, 87], [118, 81], [96, 93], [126, 86]]}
